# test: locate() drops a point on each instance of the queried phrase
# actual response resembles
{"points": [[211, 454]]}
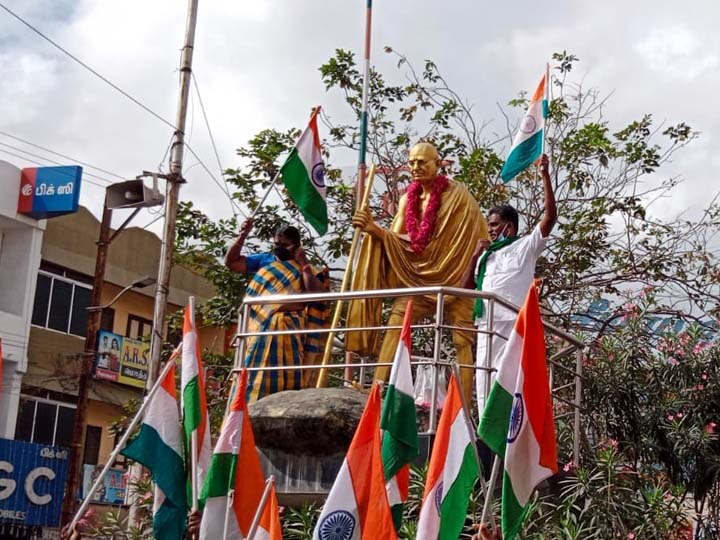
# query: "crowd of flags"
{"points": [[366, 501]]}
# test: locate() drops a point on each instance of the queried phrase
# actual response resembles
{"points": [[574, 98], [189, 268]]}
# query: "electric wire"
{"points": [[44, 164], [233, 204], [85, 173], [83, 64], [74, 160], [112, 85]]}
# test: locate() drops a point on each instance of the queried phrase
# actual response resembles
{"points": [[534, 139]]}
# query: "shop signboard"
{"points": [[32, 483], [121, 359], [47, 192]]}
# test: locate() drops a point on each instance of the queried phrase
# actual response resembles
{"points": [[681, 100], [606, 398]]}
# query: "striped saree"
{"points": [[281, 277]]}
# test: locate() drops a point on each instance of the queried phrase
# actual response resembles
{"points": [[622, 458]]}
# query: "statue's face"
{"points": [[423, 161]]}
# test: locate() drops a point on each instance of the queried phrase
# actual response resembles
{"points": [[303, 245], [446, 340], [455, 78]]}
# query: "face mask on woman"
{"points": [[283, 253]]}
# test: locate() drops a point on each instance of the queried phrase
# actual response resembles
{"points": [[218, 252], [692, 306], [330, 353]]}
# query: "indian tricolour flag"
{"points": [[528, 143], [517, 422], [451, 475], [357, 506], [400, 443], [304, 176], [158, 446], [235, 483], [194, 405]]}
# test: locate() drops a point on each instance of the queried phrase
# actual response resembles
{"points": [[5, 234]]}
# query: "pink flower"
{"points": [[613, 443], [631, 536], [670, 417], [704, 376], [569, 466], [679, 415], [700, 387], [672, 361], [710, 428]]}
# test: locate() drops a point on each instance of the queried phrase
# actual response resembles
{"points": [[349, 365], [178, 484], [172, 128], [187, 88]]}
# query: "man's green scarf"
{"points": [[482, 265]]}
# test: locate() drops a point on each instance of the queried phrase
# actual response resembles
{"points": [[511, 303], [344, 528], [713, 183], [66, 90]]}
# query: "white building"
{"points": [[20, 244]]}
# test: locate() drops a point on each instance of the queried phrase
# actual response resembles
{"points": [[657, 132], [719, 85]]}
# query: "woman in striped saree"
{"points": [[285, 271]]}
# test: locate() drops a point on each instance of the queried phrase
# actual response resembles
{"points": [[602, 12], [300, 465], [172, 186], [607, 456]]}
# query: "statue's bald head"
{"points": [[427, 149], [424, 162]]}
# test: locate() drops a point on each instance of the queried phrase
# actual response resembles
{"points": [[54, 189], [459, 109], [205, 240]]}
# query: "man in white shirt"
{"points": [[506, 267]]}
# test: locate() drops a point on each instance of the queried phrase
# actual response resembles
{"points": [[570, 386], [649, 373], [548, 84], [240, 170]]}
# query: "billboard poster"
{"points": [[32, 483], [112, 489], [121, 359], [134, 362], [107, 366], [47, 192]]}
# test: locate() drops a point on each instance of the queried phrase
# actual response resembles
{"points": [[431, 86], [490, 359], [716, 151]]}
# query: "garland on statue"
{"points": [[420, 231]]}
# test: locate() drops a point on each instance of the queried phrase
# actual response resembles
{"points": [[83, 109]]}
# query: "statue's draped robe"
{"points": [[390, 263]]}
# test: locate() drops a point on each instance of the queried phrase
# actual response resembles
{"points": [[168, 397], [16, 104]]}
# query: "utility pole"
{"points": [[175, 179], [86, 368]]}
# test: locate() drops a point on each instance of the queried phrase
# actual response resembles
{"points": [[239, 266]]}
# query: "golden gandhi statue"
{"points": [[429, 243]]}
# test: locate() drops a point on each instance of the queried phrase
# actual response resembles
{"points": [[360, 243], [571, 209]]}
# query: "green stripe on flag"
{"points": [[522, 156], [453, 509], [169, 522], [166, 465], [493, 429], [192, 415], [400, 445], [302, 191], [513, 514], [220, 476]]}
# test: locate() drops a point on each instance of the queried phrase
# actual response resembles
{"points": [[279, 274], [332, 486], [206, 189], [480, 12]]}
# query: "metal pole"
{"points": [[439, 309], [173, 191], [362, 153], [490, 327], [121, 444], [578, 401], [269, 483], [360, 188], [472, 432], [86, 370]]}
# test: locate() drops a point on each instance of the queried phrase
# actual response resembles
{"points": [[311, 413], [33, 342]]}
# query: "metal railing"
{"points": [[559, 393]]}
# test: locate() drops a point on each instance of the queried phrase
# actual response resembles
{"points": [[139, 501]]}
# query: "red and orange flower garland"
{"points": [[420, 231]]}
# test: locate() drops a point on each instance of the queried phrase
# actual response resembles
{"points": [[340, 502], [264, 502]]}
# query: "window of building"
{"points": [[61, 300], [45, 421], [92, 445], [138, 328]]}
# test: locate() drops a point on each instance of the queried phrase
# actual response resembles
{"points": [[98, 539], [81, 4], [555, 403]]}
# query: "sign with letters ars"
{"points": [[32, 483], [47, 192]]}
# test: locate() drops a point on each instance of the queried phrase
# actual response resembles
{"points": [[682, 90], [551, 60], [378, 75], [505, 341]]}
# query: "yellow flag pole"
{"points": [[322, 378]]}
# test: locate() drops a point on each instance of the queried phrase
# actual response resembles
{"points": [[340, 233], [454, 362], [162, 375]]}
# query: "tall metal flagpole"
{"points": [[362, 167], [362, 164]]}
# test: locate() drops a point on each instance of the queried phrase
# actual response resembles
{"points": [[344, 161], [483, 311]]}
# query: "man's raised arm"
{"points": [[550, 216]]}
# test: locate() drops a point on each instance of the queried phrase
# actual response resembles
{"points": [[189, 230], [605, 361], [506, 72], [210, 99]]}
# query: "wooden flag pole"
{"points": [[322, 378]]}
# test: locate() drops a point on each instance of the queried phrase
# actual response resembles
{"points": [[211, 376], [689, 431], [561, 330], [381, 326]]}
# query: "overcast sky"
{"points": [[256, 65]]}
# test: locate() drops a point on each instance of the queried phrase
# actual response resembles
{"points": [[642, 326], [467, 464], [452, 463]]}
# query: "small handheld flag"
{"points": [[304, 176]]}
